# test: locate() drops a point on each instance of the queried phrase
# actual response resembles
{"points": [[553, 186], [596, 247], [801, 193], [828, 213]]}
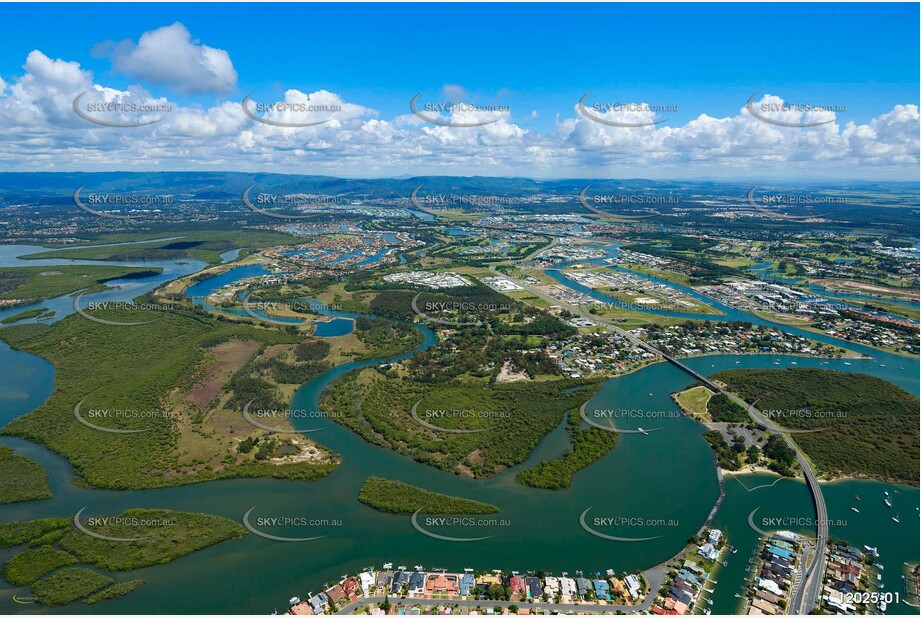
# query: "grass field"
{"points": [[694, 402]]}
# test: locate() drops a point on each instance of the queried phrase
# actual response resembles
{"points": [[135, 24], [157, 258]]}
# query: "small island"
{"points": [[21, 479], [396, 497]]}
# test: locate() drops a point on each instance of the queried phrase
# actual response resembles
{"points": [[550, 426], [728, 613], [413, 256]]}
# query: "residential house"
{"points": [[534, 588], [708, 551], [318, 603], [301, 609], [633, 586], [441, 583], [400, 579], [602, 589], [466, 583], [584, 586], [366, 580], [416, 583], [766, 608], [518, 586]]}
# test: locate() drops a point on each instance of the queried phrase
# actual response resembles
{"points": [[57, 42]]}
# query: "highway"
{"points": [[806, 595]]}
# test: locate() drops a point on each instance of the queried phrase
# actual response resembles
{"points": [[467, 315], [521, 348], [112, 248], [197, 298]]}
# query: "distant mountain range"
{"points": [[226, 185]]}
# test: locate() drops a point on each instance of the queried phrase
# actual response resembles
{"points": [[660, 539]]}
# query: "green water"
{"points": [[873, 526], [667, 475]]}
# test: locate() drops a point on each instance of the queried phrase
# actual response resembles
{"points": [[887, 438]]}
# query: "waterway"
{"points": [[666, 478]]}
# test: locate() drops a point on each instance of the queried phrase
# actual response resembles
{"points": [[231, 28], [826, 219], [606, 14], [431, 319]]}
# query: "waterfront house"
{"points": [[518, 586], [350, 587], [769, 597], [780, 552], [568, 589], [679, 595], [765, 607], [684, 585], [769, 575], [850, 551], [551, 586], [384, 580], [584, 586], [466, 583], [708, 551], [694, 568], [768, 585], [400, 578], [366, 580], [674, 606], [442, 583], [688, 577], [416, 583], [301, 609], [602, 589], [783, 544], [318, 603], [838, 601], [534, 587], [619, 588], [336, 594], [714, 536], [633, 586]]}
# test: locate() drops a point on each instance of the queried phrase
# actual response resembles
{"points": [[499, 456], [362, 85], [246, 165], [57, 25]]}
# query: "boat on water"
{"points": [[887, 503], [856, 497], [871, 550], [854, 509], [896, 518], [642, 431], [733, 550], [882, 605], [847, 363]]}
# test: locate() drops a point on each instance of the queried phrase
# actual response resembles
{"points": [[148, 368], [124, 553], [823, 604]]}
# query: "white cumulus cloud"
{"points": [[168, 56]]}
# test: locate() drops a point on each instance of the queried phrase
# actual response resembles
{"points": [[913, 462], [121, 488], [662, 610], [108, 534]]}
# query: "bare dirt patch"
{"points": [[226, 359]]}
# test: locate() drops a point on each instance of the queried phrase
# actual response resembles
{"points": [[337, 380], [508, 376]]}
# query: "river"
{"points": [[666, 477]]}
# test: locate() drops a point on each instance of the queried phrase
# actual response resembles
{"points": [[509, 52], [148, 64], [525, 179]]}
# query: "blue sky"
{"points": [[537, 59]]}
